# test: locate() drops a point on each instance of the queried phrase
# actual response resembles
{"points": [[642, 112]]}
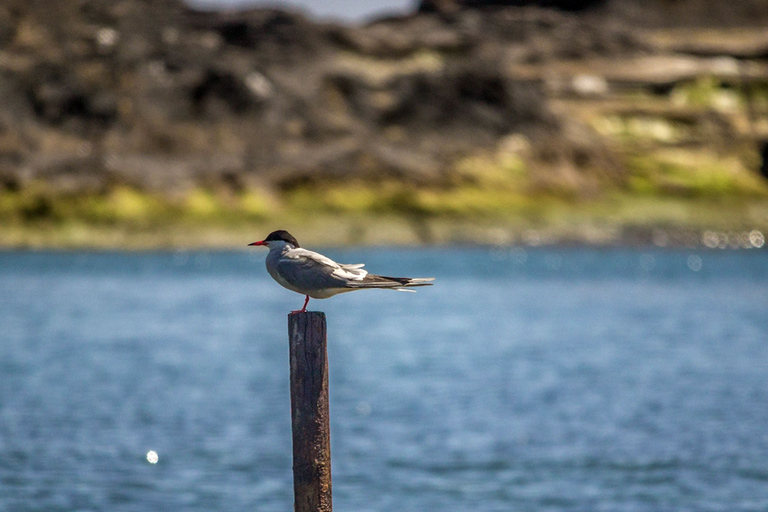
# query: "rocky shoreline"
{"points": [[524, 101]]}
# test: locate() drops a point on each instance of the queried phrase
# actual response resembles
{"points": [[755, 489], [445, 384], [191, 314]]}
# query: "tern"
{"points": [[314, 275]]}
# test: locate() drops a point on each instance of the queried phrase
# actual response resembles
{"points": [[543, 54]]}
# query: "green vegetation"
{"points": [[685, 173], [708, 92], [478, 186], [127, 206], [671, 188]]}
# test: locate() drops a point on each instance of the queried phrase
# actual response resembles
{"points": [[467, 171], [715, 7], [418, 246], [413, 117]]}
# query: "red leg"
{"points": [[304, 308]]}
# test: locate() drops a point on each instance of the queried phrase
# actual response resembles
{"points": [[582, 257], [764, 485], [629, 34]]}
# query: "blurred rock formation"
{"points": [[155, 95]]}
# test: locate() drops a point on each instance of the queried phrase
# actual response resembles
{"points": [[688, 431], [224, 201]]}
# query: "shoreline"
{"points": [[391, 232]]}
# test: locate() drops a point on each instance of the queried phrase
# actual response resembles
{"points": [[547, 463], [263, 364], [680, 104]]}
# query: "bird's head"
{"points": [[278, 236]]}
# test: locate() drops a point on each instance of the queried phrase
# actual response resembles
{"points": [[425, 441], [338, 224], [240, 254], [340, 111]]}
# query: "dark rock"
{"points": [[58, 98], [647, 13], [764, 159], [270, 35]]}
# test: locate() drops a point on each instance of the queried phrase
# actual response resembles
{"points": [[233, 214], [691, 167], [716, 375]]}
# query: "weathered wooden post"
{"points": [[309, 412]]}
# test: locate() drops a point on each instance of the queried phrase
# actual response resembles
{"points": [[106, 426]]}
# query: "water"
{"points": [[567, 380]]}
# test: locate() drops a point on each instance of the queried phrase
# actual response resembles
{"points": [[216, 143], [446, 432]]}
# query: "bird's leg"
{"points": [[304, 308]]}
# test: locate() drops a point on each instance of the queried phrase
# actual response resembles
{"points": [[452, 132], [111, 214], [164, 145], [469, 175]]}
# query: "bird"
{"points": [[319, 277]]}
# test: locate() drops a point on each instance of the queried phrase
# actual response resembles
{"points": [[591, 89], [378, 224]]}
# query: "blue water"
{"points": [[562, 380]]}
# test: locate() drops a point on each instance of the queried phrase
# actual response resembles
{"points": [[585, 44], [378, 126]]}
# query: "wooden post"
{"points": [[309, 412]]}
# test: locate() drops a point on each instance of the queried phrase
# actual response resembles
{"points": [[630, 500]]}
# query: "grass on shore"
{"points": [[487, 199], [428, 216]]}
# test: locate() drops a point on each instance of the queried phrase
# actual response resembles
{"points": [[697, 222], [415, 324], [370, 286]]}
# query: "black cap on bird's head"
{"points": [[279, 235]]}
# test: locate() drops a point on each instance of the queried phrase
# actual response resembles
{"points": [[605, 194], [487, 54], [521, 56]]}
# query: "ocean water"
{"points": [[547, 379]]}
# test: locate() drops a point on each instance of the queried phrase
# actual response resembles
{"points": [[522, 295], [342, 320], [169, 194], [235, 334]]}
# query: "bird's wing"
{"points": [[309, 270], [351, 272]]}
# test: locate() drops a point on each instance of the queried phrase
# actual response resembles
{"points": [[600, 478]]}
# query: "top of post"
{"points": [[305, 313], [306, 318]]}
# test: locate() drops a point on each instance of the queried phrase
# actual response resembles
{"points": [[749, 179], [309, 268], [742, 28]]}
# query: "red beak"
{"points": [[257, 243]]}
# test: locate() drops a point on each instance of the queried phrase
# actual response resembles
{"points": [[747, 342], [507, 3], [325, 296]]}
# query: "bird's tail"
{"points": [[392, 283]]}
